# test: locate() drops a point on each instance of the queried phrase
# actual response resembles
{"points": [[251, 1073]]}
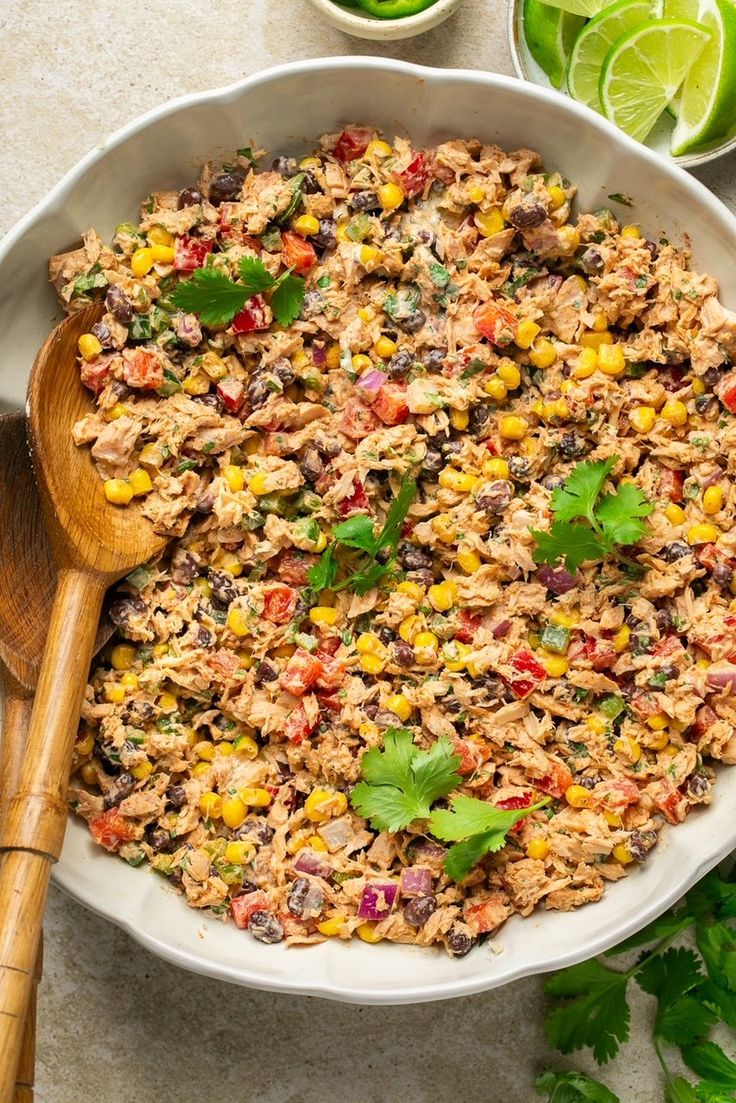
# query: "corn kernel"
{"points": [[586, 364], [702, 534], [378, 148], [316, 843], [157, 235], [205, 751], [628, 749], [213, 365], [88, 773], [600, 323], [89, 347], [118, 491], [239, 853], [361, 363], [385, 347], [366, 313], [284, 650], [631, 232], [611, 359], [642, 418], [526, 332], [257, 483], [451, 479], [368, 643], [496, 468], [367, 932], [538, 849], [368, 253], [444, 528], [675, 514], [162, 254], [596, 339], [85, 744], [454, 655], [508, 373], [224, 750], [459, 419], [557, 197], [321, 805], [555, 665], [123, 656], [621, 639], [201, 770], [332, 357], [372, 664], [409, 628], [390, 196], [246, 746], [310, 163], [713, 499], [596, 724], [331, 927], [238, 622], [196, 383], [489, 222], [210, 805], [233, 812], [234, 477], [442, 596], [565, 620], [468, 561], [658, 742], [323, 614], [142, 770], [426, 640], [160, 649], [114, 693], [577, 796], [341, 230], [622, 854], [255, 798], [675, 412], [698, 387], [496, 388], [399, 705], [613, 819], [117, 411], [411, 589], [142, 262], [658, 721], [513, 427], [542, 353], [129, 680], [306, 225], [140, 482]]}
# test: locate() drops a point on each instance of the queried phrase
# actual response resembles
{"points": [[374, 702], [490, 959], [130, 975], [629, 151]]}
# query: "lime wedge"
{"points": [[594, 42], [586, 8], [707, 106], [643, 70], [550, 33]]}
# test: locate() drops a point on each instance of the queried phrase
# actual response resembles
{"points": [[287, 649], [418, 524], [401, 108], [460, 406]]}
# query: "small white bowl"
{"points": [[384, 30]]}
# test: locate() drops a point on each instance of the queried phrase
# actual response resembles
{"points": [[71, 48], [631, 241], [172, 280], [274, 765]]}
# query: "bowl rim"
{"points": [[345, 18], [339, 989], [514, 19]]}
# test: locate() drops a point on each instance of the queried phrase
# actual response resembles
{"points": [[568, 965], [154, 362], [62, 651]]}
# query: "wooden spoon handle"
{"points": [[33, 830], [17, 706]]}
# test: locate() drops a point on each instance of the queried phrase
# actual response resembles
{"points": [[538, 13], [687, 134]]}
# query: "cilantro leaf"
{"points": [[287, 299], [684, 1021], [356, 532], [720, 1002], [322, 575], [401, 782], [709, 1061], [669, 975], [481, 827], [595, 1012], [679, 1090], [573, 1087], [717, 944], [576, 544], [581, 489], [391, 532], [255, 276], [619, 514], [210, 295]]}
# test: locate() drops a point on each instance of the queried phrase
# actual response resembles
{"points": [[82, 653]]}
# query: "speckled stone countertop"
{"points": [[116, 1025]]}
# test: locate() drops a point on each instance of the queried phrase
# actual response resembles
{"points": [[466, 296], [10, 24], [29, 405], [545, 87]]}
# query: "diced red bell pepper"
{"points": [[617, 795], [645, 705], [488, 916], [243, 907], [468, 625], [223, 664], [231, 393], [726, 391], [414, 178], [110, 829], [297, 725], [95, 373], [296, 252], [512, 804], [528, 674], [469, 754], [667, 646], [191, 253], [330, 701], [599, 653], [332, 674], [495, 322], [279, 603], [708, 555], [300, 673], [142, 369], [254, 316], [671, 484], [705, 718], [293, 567], [390, 404], [671, 802], [358, 420], [352, 143], [557, 781], [357, 502]]}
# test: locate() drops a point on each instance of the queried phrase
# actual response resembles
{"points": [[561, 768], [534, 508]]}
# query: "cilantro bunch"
{"points": [[587, 525], [216, 299], [379, 551], [694, 992]]}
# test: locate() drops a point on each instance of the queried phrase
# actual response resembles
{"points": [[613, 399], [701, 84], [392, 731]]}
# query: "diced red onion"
{"points": [[558, 581], [416, 881], [501, 629], [188, 330], [319, 355], [712, 479], [370, 383], [310, 861], [429, 852], [378, 899], [722, 677]]}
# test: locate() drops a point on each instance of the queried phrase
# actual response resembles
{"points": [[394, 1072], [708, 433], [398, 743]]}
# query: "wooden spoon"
{"points": [[27, 584], [94, 544]]}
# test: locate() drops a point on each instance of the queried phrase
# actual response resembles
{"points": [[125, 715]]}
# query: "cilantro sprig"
{"points": [[477, 828], [216, 299], [588, 525], [401, 782], [694, 992], [356, 534]]}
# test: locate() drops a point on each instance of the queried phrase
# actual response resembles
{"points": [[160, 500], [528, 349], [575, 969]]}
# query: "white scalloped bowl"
{"points": [[285, 109]]}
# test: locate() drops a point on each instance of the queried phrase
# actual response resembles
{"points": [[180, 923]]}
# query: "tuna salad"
{"points": [[446, 627]]}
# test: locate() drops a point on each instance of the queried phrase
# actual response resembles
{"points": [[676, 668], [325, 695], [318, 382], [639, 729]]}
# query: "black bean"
{"points": [[664, 621], [634, 622], [496, 497], [723, 574], [413, 323], [120, 390], [434, 359], [257, 829], [205, 502], [423, 577], [670, 671], [184, 567], [138, 712], [121, 788], [552, 482], [527, 214], [432, 462], [412, 559], [384, 718], [310, 184], [211, 401], [586, 782], [652, 247], [592, 262], [698, 786], [176, 797], [417, 912], [265, 927], [363, 201], [161, 841], [477, 418], [102, 332], [325, 239], [573, 445], [707, 406], [224, 589], [458, 943], [711, 377], [640, 843], [285, 166], [519, 468], [298, 895], [672, 552], [257, 392], [265, 672], [495, 688], [119, 305], [313, 304], [371, 711], [225, 186], [205, 638], [400, 363], [386, 635], [122, 612], [403, 653], [311, 465], [188, 197], [300, 609], [329, 446]]}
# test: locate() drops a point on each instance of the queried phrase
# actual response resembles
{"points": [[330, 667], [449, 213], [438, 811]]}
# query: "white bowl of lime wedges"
{"points": [[664, 71]]}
